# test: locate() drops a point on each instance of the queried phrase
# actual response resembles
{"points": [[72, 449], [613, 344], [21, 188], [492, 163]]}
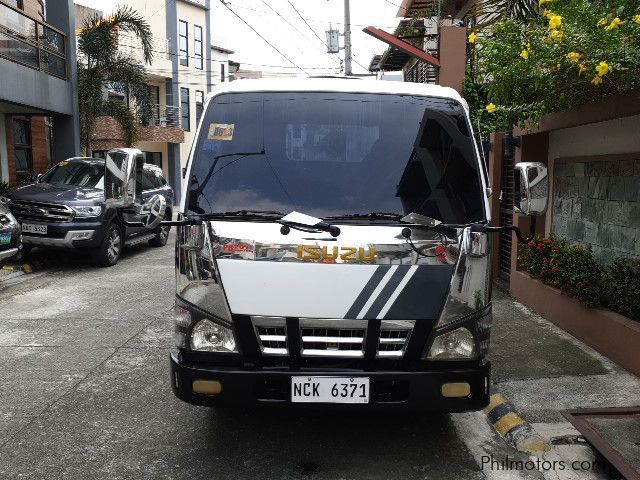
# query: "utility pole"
{"points": [[347, 38]]}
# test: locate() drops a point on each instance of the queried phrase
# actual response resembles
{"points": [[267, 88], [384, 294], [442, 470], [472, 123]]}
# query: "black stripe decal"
{"points": [[386, 292], [367, 291]]}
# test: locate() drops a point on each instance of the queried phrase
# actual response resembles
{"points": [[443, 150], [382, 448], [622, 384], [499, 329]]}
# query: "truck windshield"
{"points": [[74, 174], [334, 154]]}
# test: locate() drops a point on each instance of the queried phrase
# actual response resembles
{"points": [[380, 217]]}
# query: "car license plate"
{"points": [[5, 238], [33, 228], [330, 389]]}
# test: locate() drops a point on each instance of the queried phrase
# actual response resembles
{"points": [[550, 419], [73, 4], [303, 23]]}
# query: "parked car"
{"points": [[66, 208], [10, 245]]}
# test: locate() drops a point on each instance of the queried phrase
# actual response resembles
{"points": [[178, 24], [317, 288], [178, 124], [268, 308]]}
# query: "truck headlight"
{"points": [[86, 211], [455, 345], [207, 336]]}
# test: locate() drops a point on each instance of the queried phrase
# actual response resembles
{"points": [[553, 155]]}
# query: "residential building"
{"points": [[179, 79], [38, 100], [427, 49], [220, 68]]}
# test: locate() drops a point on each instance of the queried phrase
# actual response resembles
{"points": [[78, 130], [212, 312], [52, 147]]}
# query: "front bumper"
{"points": [[390, 390], [66, 234]]}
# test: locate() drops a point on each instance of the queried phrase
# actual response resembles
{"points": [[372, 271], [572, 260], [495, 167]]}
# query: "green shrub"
{"points": [[623, 287], [572, 269]]}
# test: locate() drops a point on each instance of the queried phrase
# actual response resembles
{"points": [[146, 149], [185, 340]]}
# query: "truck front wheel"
{"points": [[108, 253]]}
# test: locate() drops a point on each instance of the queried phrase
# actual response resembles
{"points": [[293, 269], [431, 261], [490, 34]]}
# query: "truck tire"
{"points": [[162, 234], [108, 253]]}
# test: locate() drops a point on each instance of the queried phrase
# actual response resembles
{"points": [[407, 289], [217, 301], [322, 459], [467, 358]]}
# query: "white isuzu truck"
{"points": [[332, 248]]}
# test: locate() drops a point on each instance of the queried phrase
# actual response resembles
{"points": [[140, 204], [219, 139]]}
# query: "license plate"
{"points": [[5, 238], [33, 228], [330, 389]]}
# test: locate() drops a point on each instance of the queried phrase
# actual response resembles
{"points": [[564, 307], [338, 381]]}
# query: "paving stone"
{"points": [[579, 169], [636, 167], [616, 188], [626, 167]]}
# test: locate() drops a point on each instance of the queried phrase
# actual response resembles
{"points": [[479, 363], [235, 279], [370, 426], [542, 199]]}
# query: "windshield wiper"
{"points": [[368, 216]]}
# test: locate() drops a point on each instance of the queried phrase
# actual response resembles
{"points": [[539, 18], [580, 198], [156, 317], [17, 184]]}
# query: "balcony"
{"points": [[32, 43], [162, 126], [162, 116]]}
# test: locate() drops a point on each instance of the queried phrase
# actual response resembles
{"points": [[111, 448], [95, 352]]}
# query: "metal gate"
{"points": [[506, 207]]}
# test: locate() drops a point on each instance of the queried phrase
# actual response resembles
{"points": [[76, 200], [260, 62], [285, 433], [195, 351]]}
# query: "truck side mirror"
{"points": [[531, 190], [120, 177]]}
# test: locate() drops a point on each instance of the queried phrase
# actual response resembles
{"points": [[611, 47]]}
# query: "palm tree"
{"points": [[102, 64], [488, 12]]}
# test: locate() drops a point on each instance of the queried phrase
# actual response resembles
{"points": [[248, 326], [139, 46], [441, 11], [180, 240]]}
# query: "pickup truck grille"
{"points": [[331, 338], [43, 212]]}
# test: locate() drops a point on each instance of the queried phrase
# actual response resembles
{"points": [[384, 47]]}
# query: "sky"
{"points": [[279, 23]]}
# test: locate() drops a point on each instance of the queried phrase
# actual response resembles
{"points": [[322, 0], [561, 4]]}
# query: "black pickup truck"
{"points": [[66, 208]]}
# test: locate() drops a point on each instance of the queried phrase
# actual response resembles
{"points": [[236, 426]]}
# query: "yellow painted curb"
{"points": [[9, 268], [534, 446], [495, 400], [507, 423], [26, 268]]}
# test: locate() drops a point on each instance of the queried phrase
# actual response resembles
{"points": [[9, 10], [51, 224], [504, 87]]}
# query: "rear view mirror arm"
{"points": [[488, 229]]}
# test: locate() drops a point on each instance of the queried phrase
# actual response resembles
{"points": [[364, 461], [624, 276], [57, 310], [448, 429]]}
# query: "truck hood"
{"points": [[47, 192], [367, 272]]}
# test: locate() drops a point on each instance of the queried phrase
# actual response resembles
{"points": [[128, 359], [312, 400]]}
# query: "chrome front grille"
{"points": [[394, 337], [40, 211], [272, 335], [332, 338], [337, 338]]}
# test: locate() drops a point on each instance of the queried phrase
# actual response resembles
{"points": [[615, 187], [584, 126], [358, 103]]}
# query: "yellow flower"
{"points": [[582, 68], [614, 23], [472, 37], [524, 53], [491, 107], [602, 68], [636, 18], [573, 56], [555, 21], [597, 80], [543, 2], [557, 35], [601, 22], [548, 13]]}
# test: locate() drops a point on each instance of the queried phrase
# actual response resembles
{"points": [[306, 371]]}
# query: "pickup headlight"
{"points": [[456, 345], [86, 211]]}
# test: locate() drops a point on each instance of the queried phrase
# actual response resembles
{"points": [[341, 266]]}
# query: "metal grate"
{"points": [[506, 212], [332, 338], [47, 212], [394, 337], [272, 335]]}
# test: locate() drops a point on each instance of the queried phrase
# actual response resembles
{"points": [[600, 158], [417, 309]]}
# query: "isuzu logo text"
{"points": [[346, 254]]}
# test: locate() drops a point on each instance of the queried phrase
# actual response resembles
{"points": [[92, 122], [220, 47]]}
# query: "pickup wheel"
{"points": [[108, 253], [162, 234]]}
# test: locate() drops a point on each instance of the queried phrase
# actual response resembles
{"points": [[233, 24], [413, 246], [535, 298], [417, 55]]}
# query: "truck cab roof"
{"points": [[344, 85]]}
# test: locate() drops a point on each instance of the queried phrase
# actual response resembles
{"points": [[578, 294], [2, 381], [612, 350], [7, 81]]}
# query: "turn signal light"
{"points": [[455, 390], [207, 387]]}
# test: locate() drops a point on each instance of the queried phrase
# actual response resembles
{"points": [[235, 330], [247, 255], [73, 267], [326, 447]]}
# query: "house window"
{"points": [[183, 43], [22, 145], [184, 108], [154, 158], [199, 104], [222, 72], [16, 4], [197, 46]]}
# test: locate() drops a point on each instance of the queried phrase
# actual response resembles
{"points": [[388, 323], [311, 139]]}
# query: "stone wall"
{"points": [[597, 202]]}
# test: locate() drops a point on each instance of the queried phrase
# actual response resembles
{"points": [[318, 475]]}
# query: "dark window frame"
{"points": [[183, 53], [199, 105], [197, 47], [26, 147], [222, 72], [185, 113]]}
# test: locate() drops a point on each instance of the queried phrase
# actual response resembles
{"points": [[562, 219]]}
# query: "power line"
{"points": [[264, 39], [311, 28]]}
